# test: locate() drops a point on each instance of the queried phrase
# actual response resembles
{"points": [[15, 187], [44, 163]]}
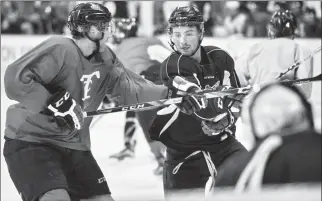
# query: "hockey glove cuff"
{"points": [[183, 86], [66, 110]]}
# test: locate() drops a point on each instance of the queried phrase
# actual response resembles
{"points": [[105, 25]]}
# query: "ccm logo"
{"points": [[133, 107]]}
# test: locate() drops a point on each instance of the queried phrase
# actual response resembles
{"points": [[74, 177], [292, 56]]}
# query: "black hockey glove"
{"points": [[218, 124], [190, 103], [233, 102], [66, 110], [227, 110]]}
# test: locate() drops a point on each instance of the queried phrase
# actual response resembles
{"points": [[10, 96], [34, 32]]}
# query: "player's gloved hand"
{"points": [[233, 102], [218, 124], [66, 110], [192, 103]]}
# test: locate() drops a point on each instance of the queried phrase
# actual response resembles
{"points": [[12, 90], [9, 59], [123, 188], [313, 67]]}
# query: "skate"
{"points": [[127, 152], [159, 170]]}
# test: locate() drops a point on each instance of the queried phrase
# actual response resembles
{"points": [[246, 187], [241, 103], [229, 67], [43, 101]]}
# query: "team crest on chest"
{"points": [[88, 80]]}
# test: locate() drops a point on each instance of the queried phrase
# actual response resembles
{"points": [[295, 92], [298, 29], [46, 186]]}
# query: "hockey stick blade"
{"points": [[209, 93]]}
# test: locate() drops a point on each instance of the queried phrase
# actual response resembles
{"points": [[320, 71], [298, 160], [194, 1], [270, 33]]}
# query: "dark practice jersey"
{"points": [[181, 131], [297, 159], [59, 63]]}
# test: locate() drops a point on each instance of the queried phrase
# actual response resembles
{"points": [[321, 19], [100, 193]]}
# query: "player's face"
{"points": [[107, 28], [186, 39]]}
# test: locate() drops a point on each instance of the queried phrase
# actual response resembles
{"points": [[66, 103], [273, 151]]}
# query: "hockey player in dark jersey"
{"points": [[287, 149], [47, 143], [198, 136]]}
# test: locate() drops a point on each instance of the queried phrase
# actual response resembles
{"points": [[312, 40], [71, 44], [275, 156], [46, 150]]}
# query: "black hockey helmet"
{"points": [[86, 14], [125, 28], [186, 16], [282, 24]]}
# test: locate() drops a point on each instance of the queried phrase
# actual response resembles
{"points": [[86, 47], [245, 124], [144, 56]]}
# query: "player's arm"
{"points": [[126, 87], [158, 52], [23, 79], [26, 81], [241, 68], [179, 73], [228, 63]]}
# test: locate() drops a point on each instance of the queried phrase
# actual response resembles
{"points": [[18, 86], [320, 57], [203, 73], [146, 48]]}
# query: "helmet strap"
{"points": [[97, 42]]}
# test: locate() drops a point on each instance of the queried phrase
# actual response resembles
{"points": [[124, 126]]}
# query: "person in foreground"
{"points": [[198, 134], [287, 149], [47, 143]]}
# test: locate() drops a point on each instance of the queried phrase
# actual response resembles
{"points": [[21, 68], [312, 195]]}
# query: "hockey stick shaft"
{"points": [[209, 93], [298, 63], [163, 102]]}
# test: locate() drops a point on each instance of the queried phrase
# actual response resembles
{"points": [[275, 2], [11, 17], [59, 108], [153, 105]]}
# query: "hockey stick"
{"points": [[209, 93], [298, 63], [154, 104]]}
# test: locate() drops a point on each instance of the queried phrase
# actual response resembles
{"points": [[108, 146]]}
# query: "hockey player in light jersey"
{"points": [[261, 63], [47, 143], [264, 61], [199, 136], [138, 55]]}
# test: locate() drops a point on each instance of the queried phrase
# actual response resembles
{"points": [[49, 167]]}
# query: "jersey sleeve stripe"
{"points": [[170, 122], [166, 67]]}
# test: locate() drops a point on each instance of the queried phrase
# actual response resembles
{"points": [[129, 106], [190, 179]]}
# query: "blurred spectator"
{"points": [[312, 25], [222, 18], [160, 23], [117, 8], [297, 8], [12, 22], [281, 120], [169, 6], [206, 8], [261, 17], [238, 20]]}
